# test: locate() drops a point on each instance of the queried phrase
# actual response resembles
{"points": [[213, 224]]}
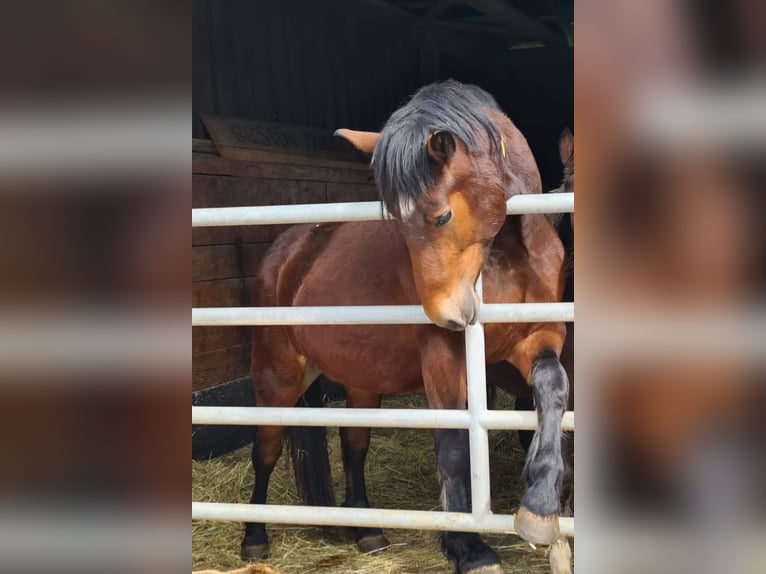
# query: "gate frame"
{"points": [[477, 418]]}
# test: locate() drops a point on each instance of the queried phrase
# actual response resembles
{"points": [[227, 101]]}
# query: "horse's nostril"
{"points": [[454, 325], [470, 310]]}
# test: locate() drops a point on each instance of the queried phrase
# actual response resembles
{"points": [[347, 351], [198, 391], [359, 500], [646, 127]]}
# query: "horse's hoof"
{"points": [[535, 528], [254, 552], [372, 543], [489, 569]]}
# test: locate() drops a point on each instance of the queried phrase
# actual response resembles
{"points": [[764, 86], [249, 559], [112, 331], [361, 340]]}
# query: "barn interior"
{"points": [[272, 81], [282, 75]]}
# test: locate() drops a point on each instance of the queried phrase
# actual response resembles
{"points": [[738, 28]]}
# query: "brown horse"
{"points": [[445, 164]]}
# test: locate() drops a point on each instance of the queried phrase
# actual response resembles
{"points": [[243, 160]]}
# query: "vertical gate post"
{"points": [[477, 406]]}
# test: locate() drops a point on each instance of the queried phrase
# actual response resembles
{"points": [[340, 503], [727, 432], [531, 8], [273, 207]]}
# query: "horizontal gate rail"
{"points": [[362, 517], [373, 314], [375, 418], [352, 211]]}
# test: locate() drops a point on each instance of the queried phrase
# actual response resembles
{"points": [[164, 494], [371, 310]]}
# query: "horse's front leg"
{"points": [[466, 549], [444, 376], [537, 518]]}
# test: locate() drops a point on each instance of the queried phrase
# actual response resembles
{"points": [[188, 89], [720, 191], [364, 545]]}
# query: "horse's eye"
{"points": [[443, 219]]}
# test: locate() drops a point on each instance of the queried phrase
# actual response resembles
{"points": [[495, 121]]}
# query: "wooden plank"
{"points": [[243, 154], [233, 235], [238, 138], [223, 293], [200, 145], [226, 261], [237, 292], [220, 366], [210, 165], [341, 192], [215, 262], [227, 191], [213, 338]]}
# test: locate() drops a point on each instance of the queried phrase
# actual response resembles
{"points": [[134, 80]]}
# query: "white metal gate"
{"points": [[477, 419]]}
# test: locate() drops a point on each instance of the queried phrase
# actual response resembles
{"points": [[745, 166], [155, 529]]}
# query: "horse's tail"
{"points": [[308, 450]]}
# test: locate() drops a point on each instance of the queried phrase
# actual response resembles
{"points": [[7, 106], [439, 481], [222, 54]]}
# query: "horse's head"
{"points": [[444, 168]]}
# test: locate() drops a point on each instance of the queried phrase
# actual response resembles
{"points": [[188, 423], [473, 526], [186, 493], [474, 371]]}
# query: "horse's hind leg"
{"points": [[279, 381], [355, 442]]}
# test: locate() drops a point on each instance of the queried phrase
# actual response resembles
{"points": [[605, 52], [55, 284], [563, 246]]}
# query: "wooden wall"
{"points": [[224, 260]]}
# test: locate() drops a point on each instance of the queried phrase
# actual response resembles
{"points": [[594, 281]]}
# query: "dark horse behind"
{"points": [[445, 164]]}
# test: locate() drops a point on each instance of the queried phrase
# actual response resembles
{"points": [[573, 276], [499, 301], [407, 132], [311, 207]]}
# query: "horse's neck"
{"points": [[510, 244]]}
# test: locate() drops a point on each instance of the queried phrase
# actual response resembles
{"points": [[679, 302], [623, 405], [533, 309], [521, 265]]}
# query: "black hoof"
{"points": [[470, 553], [535, 528], [372, 543], [254, 552]]}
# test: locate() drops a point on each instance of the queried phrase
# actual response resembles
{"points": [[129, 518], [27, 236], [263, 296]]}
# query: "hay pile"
{"points": [[401, 473]]}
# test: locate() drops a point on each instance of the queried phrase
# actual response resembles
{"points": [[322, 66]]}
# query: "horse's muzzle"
{"points": [[467, 313]]}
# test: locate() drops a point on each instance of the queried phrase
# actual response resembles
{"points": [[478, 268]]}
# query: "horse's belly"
{"points": [[379, 358]]}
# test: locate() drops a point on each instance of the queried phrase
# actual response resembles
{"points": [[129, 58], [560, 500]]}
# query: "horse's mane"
{"points": [[403, 170]]}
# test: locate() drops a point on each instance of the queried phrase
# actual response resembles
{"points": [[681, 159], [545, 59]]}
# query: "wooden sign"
{"points": [[238, 138]]}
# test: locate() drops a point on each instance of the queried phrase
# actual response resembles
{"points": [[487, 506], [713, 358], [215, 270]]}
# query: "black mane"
{"points": [[403, 171]]}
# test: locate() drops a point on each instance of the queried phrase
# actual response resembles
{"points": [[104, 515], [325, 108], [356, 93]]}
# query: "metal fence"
{"points": [[477, 418]]}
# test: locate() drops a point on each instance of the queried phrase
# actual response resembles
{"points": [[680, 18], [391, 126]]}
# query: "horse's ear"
{"points": [[441, 146], [363, 141], [566, 147]]}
